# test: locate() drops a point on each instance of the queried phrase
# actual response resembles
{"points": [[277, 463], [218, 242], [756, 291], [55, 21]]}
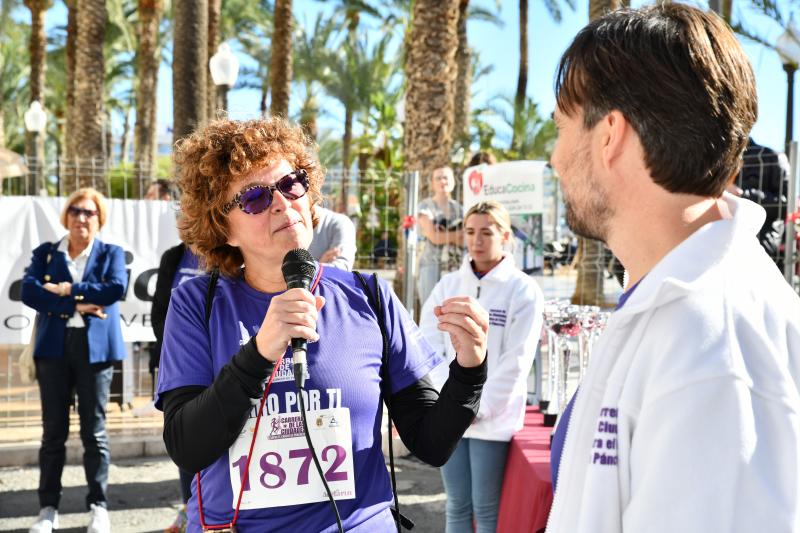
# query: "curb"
{"points": [[27, 453]]}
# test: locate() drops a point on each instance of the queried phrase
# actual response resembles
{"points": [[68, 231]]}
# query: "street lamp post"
{"points": [[224, 70], [35, 123], [788, 47]]}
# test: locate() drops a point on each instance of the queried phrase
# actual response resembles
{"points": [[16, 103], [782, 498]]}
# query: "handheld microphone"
{"points": [[298, 270]]}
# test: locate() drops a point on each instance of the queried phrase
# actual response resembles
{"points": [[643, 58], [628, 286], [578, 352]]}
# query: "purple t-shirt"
{"points": [[344, 364], [187, 269]]}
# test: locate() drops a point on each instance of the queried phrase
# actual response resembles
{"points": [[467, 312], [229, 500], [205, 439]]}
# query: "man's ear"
{"points": [[614, 131]]}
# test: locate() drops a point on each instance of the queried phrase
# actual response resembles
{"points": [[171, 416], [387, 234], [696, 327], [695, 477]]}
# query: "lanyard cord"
{"points": [[231, 525]]}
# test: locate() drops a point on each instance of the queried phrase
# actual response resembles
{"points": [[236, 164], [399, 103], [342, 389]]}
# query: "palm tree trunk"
{"points": [[280, 70], [430, 77], [72, 37], [189, 67], [463, 79], [147, 60], [431, 71], [125, 140], [522, 75], [598, 8], [262, 104], [308, 114], [89, 93], [215, 104], [347, 140], [36, 47], [34, 143]]}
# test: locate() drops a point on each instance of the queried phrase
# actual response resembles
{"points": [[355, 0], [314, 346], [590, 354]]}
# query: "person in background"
{"points": [[178, 264], [688, 416], [334, 239], [74, 284], [160, 189], [473, 476], [441, 237], [481, 158], [764, 179], [249, 196]]}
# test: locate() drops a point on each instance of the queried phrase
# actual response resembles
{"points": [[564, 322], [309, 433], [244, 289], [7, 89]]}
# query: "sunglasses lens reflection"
{"points": [[292, 187], [256, 200]]}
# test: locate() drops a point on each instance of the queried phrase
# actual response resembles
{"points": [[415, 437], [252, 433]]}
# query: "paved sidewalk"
{"points": [[144, 496]]}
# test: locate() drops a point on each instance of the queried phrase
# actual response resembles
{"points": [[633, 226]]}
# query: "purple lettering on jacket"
{"points": [[604, 445]]}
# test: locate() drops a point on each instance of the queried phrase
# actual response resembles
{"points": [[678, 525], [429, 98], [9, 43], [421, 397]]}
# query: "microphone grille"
{"points": [[298, 262]]}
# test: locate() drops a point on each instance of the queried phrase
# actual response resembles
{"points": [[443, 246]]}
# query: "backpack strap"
{"points": [[386, 390], [212, 285]]}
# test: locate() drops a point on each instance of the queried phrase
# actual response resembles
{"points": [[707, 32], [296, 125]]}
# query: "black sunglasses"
{"points": [[78, 211], [256, 199]]}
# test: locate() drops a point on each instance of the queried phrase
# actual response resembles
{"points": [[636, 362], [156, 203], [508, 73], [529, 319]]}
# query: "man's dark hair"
{"points": [[681, 79], [165, 188], [480, 158]]}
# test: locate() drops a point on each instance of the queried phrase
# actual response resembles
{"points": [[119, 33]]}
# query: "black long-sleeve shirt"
{"points": [[201, 423]]}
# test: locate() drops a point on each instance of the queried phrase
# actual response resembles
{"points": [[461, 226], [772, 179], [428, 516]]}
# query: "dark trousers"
{"points": [[58, 377]]}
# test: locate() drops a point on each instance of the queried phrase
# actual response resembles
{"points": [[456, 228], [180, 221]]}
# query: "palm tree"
{"points": [[35, 143], [14, 71], [589, 259], [554, 8], [147, 61], [310, 62], [522, 76], [89, 92], [69, 63], [463, 78], [214, 14], [250, 23], [725, 7], [280, 72], [430, 77], [189, 67], [598, 8]]}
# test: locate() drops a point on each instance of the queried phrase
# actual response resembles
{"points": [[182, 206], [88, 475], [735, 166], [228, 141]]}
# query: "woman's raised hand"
{"points": [[468, 324], [291, 315]]}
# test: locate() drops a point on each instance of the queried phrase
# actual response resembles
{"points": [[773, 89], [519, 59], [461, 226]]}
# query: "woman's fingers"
{"points": [[467, 323]]}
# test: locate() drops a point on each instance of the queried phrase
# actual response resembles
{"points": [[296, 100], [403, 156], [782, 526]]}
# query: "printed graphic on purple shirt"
{"points": [[188, 269], [343, 372]]}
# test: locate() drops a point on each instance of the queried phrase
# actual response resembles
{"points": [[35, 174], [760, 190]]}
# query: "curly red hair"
{"points": [[226, 151]]}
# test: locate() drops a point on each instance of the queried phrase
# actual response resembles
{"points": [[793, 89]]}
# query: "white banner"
{"points": [[144, 229], [517, 185]]}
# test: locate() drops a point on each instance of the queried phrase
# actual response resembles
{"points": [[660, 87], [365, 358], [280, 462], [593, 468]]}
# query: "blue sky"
{"points": [[498, 47]]}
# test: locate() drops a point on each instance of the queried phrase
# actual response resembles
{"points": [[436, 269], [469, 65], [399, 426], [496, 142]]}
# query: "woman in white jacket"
{"points": [[473, 476]]}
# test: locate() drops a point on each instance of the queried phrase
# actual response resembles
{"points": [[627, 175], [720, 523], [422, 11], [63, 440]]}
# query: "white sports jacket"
{"points": [[515, 304], [688, 418]]}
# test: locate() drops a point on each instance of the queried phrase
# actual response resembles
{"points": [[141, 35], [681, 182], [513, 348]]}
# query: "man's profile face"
{"points": [[152, 193], [587, 208]]}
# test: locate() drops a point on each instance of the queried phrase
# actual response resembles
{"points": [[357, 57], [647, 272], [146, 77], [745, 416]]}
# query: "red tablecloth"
{"points": [[527, 487]]}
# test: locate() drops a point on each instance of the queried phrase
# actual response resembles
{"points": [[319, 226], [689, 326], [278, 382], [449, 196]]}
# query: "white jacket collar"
{"points": [[685, 266], [500, 273]]}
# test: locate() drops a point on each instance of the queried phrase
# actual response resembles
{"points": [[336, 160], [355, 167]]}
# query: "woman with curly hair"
{"points": [[231, 406]]}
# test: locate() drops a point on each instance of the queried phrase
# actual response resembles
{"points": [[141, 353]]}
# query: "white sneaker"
{"points": [[46, 522], [98, 520]]}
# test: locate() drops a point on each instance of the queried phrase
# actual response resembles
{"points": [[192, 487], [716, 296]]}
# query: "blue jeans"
{"points": [[58, 377], [473, 479]]}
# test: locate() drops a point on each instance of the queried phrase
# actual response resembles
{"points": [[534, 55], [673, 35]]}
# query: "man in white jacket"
{"points": [[688, 418]]}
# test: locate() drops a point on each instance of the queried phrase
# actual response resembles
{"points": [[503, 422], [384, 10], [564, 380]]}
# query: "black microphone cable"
{"points": [[314, 452], [298, 270]]}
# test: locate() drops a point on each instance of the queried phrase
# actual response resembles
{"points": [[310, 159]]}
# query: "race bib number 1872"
{"points": [[281, 468]]}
